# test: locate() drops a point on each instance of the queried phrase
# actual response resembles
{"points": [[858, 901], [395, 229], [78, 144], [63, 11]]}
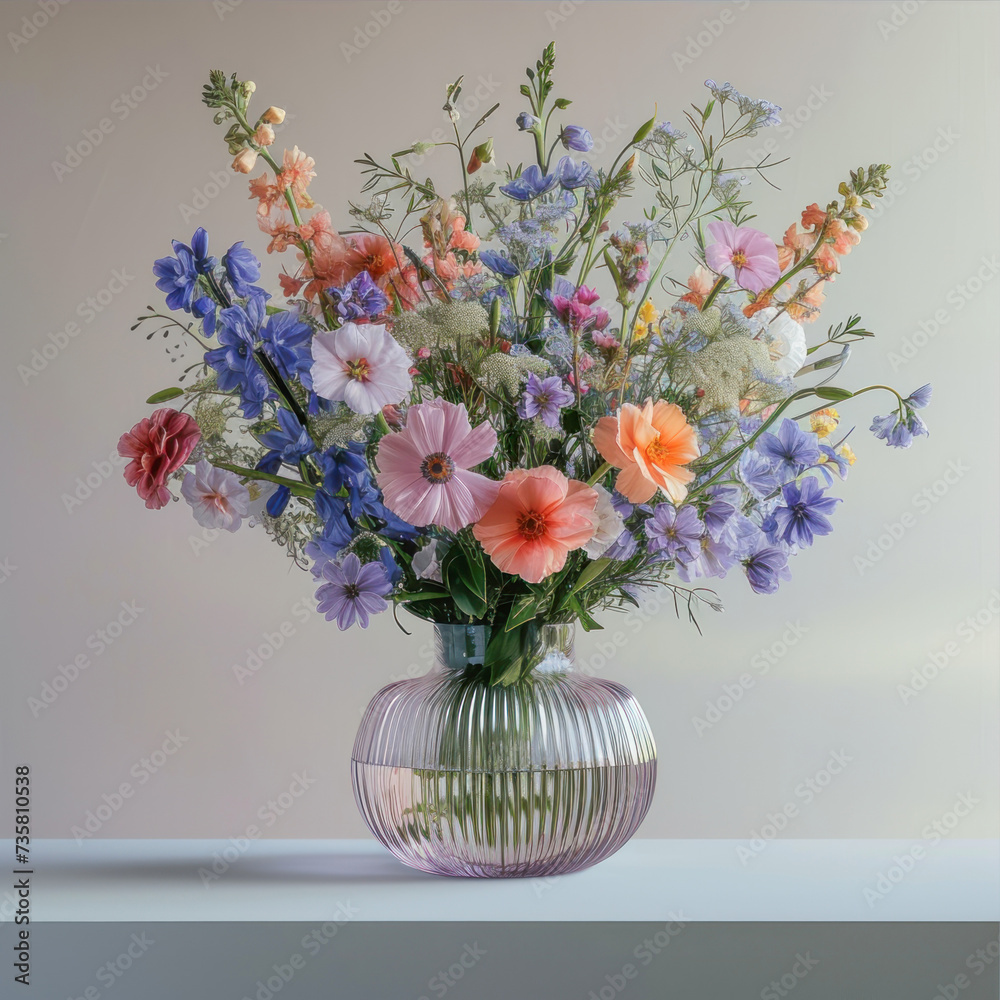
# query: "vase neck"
{"points": [[462, 647]]}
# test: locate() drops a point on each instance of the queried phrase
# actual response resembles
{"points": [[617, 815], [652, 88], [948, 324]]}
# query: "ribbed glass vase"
{"points": [[544, 776]]}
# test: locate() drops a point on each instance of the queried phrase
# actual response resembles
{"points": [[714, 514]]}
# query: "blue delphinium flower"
{"points": [[234, 362], [242, 269], [919, 398], [802, 516], [338, 528], [529, 184], [287, 342], [674, 531], [341, 465], [360, 298], [526, 122], [544, 398], [353, 591], [791, 450], [499, 264], [292, 442], [278, 501], [577, 138], [572, 174], [178, 275]]}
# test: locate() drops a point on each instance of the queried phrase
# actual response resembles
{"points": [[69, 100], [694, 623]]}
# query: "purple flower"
{"points": [[899, 432], [832, 459], [360, 298], [544, 398], [720, 512], [286, 339], [242, 268], [714, 559], [234, 362], [674, 531], [790, 450], [757, 474], [526, 122], [766, 567], [919, 398], [529, 184], [623, 547], [573, 175], [498, 264], [353, 591], [577, 138], [803, 514]]}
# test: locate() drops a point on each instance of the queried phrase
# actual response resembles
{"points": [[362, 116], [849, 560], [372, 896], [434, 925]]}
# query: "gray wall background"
{"points": [[819, 665]]}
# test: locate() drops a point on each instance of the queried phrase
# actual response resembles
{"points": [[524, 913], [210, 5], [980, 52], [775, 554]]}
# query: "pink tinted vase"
{"points": [[544, 776]]}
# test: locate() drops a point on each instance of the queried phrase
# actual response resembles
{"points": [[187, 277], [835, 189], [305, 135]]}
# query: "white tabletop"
{"points": [[693, 880]]}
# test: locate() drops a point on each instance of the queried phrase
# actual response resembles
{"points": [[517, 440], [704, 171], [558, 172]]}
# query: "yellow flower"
{"points": [[648, 315], [847, 453], [824, 422]]}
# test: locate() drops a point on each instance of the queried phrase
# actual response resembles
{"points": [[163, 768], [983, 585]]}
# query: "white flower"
{"points": [[260, 492], [217, 497], [608, 525], [787, 345], [362, 366], [426, 565]]}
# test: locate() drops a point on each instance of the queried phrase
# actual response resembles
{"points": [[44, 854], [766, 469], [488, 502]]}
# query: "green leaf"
{"points": [[590, 573], [588, 622], [525, 90], [613, 270], [164, 394], [271, 310], [458, 578], [563, 265], [421, 595], [832, 393], [523, 610], [644, 130]]}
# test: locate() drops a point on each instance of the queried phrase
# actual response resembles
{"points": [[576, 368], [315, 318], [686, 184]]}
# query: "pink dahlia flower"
{"points": [[158, 445], [361, 366], [746, 255], [217, 497], [424, 468]]}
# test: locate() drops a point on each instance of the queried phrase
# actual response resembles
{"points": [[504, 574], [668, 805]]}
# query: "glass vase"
{"points": [[546, 775]]}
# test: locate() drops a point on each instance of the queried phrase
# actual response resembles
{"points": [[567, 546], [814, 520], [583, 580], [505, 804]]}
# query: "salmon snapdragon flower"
{"points": [[651, 445], [538, 518]]}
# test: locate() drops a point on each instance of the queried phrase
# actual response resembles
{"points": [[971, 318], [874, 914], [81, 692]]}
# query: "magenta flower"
{"points": [[361, 366], [746, 255], [424, 468]]}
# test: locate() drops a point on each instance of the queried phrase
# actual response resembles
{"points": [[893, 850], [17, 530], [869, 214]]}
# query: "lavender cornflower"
{"points": [[353, 591], [544, 398], [791, 450], [360, 298], [572, 174], [766, 567], [577, 138], [714, 559], [529, 184], [674, 531], [803, 514], [919, 398]]}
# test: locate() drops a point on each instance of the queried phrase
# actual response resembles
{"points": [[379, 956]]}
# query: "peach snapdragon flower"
{"points": [[538, 518], [651, 445], [296, 173]]}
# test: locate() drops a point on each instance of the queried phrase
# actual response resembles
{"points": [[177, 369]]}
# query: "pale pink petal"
{"points": [[478, 445]]}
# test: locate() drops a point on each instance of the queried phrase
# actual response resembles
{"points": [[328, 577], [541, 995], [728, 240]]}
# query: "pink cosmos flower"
{"points": [[158, 445], [360, 365], [538, 518], [217, 497], [746, 255], [425, 476]]}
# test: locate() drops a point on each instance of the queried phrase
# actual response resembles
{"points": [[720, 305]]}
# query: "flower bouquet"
{"points": [[495, 406]]}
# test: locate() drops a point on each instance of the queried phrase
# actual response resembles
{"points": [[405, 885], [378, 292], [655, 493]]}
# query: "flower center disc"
{"points": [[360, 370], [739, 259], [658, 454], [437, 468], [531, 525]]}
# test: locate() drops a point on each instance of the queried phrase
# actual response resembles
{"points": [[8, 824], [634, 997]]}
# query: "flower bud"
{"points": [[245, 161], [483, 153], [858, 222], [273, 115], [264, 135], [526, 122], [247, 87]]}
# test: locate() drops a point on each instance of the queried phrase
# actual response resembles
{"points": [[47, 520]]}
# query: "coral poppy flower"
{"points": [[424, 468], [746, 255], [158, 445], [651, 445], [538, 518]]}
